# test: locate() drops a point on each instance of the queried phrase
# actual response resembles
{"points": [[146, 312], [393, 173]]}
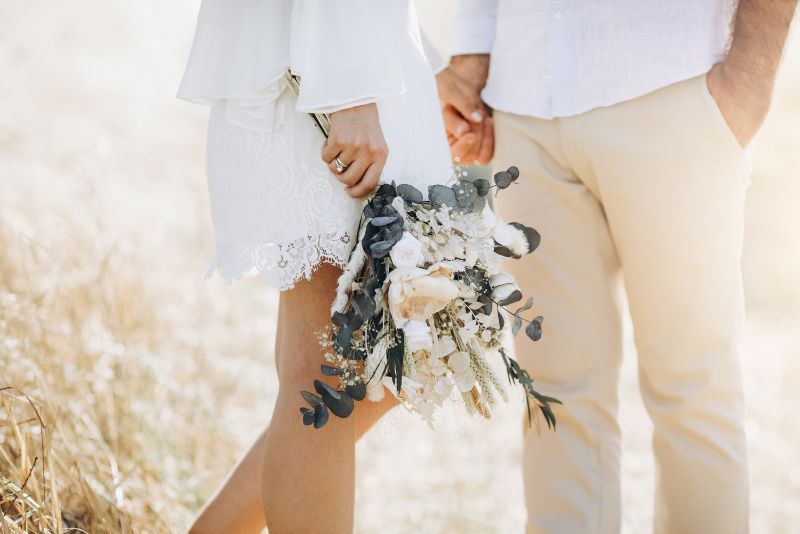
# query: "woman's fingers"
{"points": [[354, 172], [330, 149], [369, 181]]}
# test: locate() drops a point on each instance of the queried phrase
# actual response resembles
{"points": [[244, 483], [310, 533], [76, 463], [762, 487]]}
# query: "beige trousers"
{"points": [[649, 193]]}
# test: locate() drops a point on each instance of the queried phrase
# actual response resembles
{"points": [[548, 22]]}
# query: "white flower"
{"points": [[400, 205], [512, 238], [465, 380], [416, 293], [458, 361], [417, 335], [444, 346], [503, 284], [407, 252], [443, 387]]}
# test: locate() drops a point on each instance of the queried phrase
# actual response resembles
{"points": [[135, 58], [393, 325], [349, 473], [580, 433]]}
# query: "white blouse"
{"points": [[277, 211], [341, 49]]}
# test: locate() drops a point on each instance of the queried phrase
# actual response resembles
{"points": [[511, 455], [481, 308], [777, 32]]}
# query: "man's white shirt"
{"points": [[560, 58]]}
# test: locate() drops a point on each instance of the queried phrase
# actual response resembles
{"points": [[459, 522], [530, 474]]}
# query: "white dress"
{"points": [[277, 210]]}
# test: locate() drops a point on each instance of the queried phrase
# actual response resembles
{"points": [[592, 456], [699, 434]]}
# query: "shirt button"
{"points": [[557, 15]]}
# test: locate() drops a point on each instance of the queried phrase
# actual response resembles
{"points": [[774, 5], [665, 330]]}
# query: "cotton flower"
{"points": [[503, 284], [407, 252], [416, 293], [417, 335], [512, 238]]}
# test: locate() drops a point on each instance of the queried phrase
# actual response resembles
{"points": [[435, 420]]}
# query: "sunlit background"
{"points": [[144, 383]]}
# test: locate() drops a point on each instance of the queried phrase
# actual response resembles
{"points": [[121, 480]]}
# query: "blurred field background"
{"points": [[128, 386]]}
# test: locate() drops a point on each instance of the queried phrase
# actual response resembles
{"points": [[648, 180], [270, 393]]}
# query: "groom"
{"points": [[628, 121]]}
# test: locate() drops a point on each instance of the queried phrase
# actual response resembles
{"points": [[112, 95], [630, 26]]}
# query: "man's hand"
{"points": [[742, 84], [467, 119], [743, 100]]}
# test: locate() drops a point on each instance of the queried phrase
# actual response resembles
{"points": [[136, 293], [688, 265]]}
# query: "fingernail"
{"points": [[476, 116]]}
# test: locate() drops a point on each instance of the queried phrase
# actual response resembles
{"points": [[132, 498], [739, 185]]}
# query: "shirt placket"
{"points": [[555, 36]]}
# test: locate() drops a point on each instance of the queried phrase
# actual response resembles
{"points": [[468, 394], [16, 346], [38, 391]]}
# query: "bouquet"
{"points": [[420, 304]]}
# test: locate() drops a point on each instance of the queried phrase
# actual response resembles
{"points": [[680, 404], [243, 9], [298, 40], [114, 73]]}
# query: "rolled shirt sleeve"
{"points": [[474, 27]]}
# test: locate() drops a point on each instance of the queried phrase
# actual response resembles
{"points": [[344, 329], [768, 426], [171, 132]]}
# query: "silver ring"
{"points": [[340, 165]]}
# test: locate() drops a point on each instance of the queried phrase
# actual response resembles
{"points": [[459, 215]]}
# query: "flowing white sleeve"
{"points": [[474, 28], [344, 52]]}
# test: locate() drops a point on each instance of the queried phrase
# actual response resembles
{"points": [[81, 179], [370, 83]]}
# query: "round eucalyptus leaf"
{"points": [[441, 195], [534, 329], [503, 179], [466, 193], [357, 391], [410, 193], [482, 186]]}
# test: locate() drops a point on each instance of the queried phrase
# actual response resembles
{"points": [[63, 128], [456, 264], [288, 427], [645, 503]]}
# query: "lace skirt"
{"points": [[277, 210]]}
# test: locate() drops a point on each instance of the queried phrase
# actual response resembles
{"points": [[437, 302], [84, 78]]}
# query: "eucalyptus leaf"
{"points": [[466, 193], [308, 416], [381, 248], [516, 325], [410, 194], [339, 402], [383, 221], [341, 341], [503, 179], [515, 296], [441, 195], [320, 416], [501, 320], [482, 186], [526, 307], [310, 398], [363, 305], [534, 329], [357, 391], [514, 172], [328, 370]]}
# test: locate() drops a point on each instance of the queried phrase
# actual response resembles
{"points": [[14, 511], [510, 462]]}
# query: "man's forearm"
{"points": [[759, 34]]}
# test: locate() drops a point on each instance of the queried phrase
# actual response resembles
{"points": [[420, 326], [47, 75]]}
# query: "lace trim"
{"points": [[283, 265]]}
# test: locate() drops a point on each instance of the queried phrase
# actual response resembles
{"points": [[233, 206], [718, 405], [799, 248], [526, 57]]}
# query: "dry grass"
{"points": [[130, 386]]}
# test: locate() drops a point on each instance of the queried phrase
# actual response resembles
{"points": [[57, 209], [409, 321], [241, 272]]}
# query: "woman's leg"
{"points": [[237, 507]]}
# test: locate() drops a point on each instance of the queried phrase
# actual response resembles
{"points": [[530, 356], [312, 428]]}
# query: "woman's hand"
{"points": [[357, 140]]}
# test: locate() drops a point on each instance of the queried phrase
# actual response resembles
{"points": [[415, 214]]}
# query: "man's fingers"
{"points": [[368, 182], [454, 123], [463, 147], [464, 98], [487, 144]]}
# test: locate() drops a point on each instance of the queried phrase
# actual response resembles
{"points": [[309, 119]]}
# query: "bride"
{"points": [[285, 205]]}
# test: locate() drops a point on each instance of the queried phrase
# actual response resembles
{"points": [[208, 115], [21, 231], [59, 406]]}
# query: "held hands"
{"points": [[357, 141], [742, 97], [467, 120]]}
